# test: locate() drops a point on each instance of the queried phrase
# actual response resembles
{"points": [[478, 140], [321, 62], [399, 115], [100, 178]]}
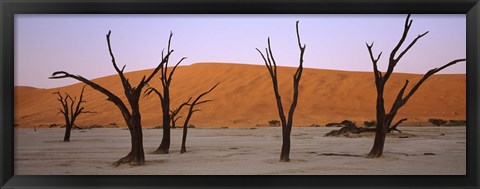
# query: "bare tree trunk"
{"points": [[185, 127], [165, 144], [137, 140], [184, 135], [380, 135], [136, 155], [285, 153], [68, 129]]}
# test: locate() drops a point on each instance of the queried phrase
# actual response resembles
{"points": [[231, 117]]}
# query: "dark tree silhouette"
{"points": [[394, 127], [71, 109], [174, 113], [350, 127], [190, 113], [272, 69], [166, 79], [132, 116], [174, 119], [384, 119]]}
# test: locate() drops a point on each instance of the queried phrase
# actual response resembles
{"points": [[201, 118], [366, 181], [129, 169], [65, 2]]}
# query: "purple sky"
{"points": [[77, 43]]}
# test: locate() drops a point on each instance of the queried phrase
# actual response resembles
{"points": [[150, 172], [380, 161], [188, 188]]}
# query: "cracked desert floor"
{"points": [[241, 151]]}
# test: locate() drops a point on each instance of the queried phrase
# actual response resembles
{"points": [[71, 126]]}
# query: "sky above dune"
{"points": [[77, 43]]}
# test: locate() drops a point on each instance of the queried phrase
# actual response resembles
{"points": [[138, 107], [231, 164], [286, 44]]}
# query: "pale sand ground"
{"points": [[240, 151]]}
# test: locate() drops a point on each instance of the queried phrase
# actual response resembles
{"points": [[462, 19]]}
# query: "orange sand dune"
{"points": [[245, 97]]}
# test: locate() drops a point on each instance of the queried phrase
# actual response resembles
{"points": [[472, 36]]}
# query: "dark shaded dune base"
{"points": [[245, 97]]}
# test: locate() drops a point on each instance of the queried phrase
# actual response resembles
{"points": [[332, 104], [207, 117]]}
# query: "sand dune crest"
{"points": [[245, 97]]}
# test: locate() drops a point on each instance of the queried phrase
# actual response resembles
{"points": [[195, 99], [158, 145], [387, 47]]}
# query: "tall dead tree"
{"points": [[286, 122], [190, 113], [71, 109], [166, 79], [384, 119], [132, 116]]}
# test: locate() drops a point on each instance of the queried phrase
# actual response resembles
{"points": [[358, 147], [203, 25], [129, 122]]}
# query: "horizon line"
{"points": [[238, 63]]}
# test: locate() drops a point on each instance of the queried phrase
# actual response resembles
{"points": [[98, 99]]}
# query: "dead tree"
{"points": [[351, 128], [286, 122], [190, 113], [166, 79], [384, 119], [71, 109], [132, 116]]}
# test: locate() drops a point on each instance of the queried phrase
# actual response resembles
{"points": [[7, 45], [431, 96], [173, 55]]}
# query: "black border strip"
{"points": [[240, 7]]}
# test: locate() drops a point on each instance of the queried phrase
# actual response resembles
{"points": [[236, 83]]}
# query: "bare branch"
{"points": [[392, 63], [173, 70], [205, 93], [196, 102], [428, 74], [78, 108], [406, 28], [125, 82], [296, 81], [408, 47], [159, 66], [179, 108], [165, 67], [169, 41], [376, 73], [152, 89], [111, 97], [201, 102], [269, 66], [298, 38], [394, 127], [398, 101], [272, 58], [72, 111], [88, 112], [111, 53], [175, 120]]}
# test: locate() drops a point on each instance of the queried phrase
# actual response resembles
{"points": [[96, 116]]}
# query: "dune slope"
{"points": [[245, 97]]}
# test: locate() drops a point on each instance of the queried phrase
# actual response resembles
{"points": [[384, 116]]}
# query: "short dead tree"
{"points": [[71, 109], [191, 110]]}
